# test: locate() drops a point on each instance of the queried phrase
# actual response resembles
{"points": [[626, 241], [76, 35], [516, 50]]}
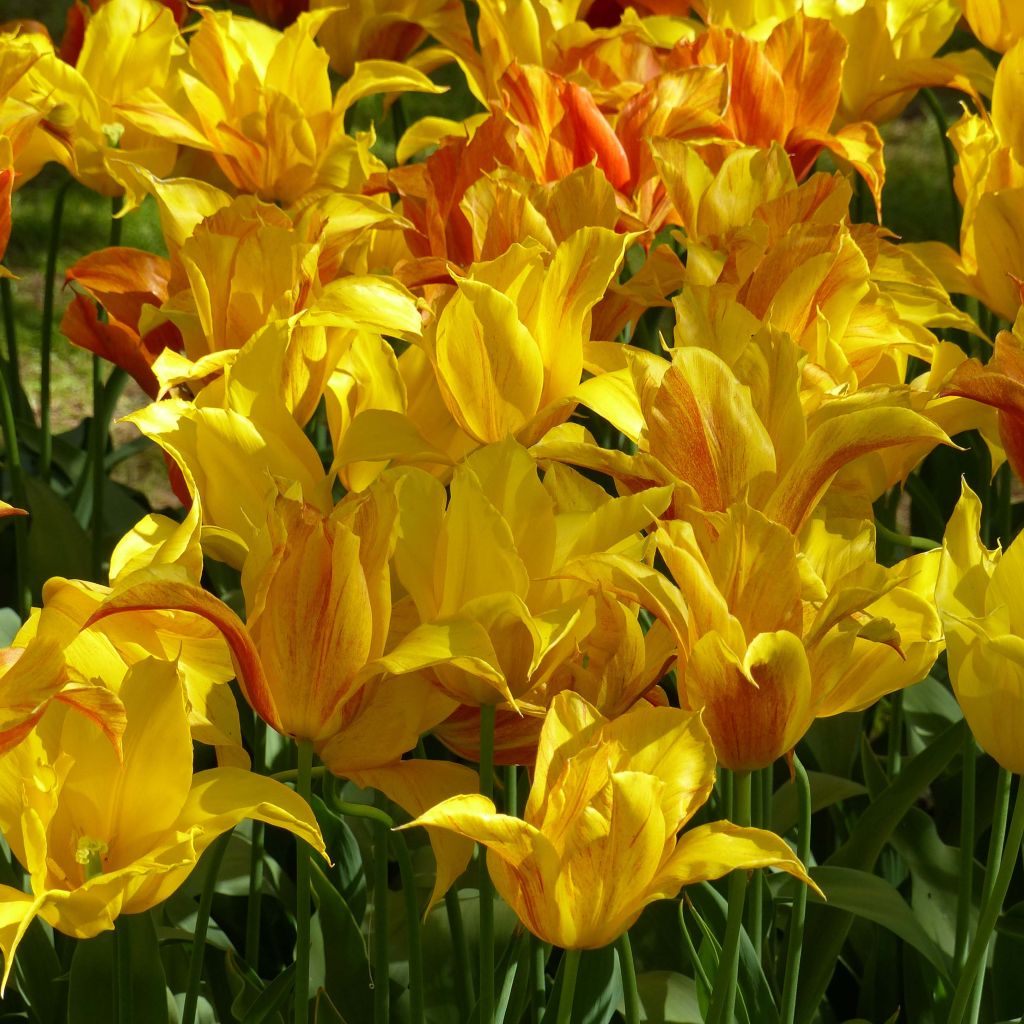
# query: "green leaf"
{"points": [[928, 709], [346, 965], [93, 998], [826, 790], [57, 544], [669, 998], [758, 1003], [272, 998], [860, 851], [325, 1012], [598, 989], [874, 899], [10, 623]]}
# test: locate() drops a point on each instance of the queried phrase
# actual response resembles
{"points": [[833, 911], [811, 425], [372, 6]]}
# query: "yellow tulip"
{"points": [[979, 598], [999, 24], [743, 433], [783, 630], [989, 181], [479, 567], [599, 839], [102, 835], [131, 53], [317, 592]]}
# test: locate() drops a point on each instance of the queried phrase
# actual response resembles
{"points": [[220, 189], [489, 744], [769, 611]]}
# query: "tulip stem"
{"points": [[381, 959], [538, 981], [796, 924], [723, 998], [13, 466], [512, 791], [895, 758], [905, 540], [947, 152], [46, 333], [570, 969], [699, 974], [997, 836], [254, 904], [631, 997], [463, 975], [304, 787], [412, 913], [123, 957], [11, 335], [487, 714], [966, 887], [195, 964], [973, 972]]}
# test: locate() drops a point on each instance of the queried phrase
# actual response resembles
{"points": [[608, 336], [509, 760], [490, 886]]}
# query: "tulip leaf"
{"points": [[10, 623], [346, 964], [325, 1012], [50, 518], [872, 831], [272, 998], [756, 1003], [874, 899], [599, 980], [928, 709], [669, 998], [1007, 978], [826, 790], [93, 995]]}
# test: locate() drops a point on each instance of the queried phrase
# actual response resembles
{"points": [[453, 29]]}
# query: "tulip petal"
{"points": [[417, 786], [711, 851]]}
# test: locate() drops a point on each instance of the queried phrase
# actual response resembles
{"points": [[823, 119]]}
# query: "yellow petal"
{"points": [[711, 851]]}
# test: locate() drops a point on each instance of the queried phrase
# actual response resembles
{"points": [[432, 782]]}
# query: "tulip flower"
{"points": [[989, 182], [102, 835], [599, 839], [131, 51], [979, 599], [479, 568], [999, 384], [999, 24], [723, 440]]}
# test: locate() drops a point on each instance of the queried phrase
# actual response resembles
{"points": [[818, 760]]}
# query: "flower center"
{"points": [[90, 853]]}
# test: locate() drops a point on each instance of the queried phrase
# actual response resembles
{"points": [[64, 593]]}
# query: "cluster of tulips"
{"points": [[538, 444]]}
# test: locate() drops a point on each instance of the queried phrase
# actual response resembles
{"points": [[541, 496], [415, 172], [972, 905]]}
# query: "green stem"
{"points": [[11, 335], [794, 951], [631, 997], [755, 896], [46, 333], [965, 889], [997, 836], [381, 959], [512, 790], [903, 539], [538, 979], [699, 974], [291, 774], [570, 968], [195, 964], [123, 955], [723, 999], [463, 975], [895, 758], [254, 900], [487, 713], [24, 594], [950, 158], [304, 788], [975, 967], [102, 414], [412, 913]]}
